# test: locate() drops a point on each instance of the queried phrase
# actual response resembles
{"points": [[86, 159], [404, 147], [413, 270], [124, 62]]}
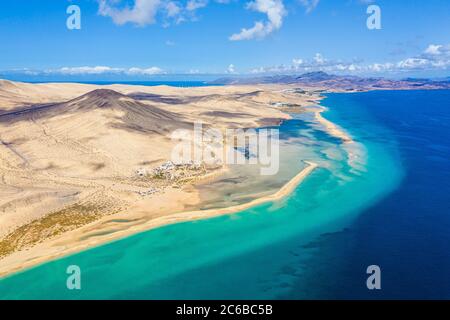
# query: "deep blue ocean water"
{"points": [[407, 233], [391, 210]]}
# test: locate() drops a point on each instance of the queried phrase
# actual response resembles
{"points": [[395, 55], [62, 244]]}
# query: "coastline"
{"points": [[15, 263], [331, 127], [112, 228]]}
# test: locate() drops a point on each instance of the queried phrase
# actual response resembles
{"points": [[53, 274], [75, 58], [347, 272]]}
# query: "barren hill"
{"points": [[73, 154]]}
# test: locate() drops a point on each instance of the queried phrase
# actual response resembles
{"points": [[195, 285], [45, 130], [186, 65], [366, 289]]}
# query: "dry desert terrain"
{"points": [[75, 158]]}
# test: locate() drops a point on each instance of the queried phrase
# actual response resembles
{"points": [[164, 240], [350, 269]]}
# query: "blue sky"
{"points": [[155, 38]]}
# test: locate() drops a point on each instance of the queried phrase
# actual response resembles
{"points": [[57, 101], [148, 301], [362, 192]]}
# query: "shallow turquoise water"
{"points": [[407, 232], [256, 254]]}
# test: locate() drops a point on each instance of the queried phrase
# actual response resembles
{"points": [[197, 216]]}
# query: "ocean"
{"points": [[388, 206]]}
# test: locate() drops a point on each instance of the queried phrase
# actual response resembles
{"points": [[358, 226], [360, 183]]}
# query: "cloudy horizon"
{"points": [[151, 39]]}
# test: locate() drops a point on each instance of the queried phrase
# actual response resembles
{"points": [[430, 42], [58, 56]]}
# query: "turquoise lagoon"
{"points": [[266, 252]]}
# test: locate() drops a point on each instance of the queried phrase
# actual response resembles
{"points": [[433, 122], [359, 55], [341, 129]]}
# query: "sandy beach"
{"points": [[93, 235], [332, 128], [69, 168]]}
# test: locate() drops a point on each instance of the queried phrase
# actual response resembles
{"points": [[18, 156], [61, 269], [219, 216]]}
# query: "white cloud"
{"points": [[257, 31], [147, 71], [318, 59], [433, 49], [437, 49], [173, 9], [412, 63], [87, 70], [275, 11], [231, 69], [352, 67], [377, 67], [193, 5], [434, 57], [143, 12], [309, 5], [297, 62]]}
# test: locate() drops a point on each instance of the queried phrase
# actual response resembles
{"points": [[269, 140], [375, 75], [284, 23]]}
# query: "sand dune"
{"points": [[86, 149], [70, 154]]}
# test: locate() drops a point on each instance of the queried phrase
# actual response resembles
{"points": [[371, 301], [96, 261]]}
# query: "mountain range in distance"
{"points": [[331, 82]]}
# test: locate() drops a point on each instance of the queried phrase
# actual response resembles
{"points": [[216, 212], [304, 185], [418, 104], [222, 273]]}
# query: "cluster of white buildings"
{"points": [[167, 170]]}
